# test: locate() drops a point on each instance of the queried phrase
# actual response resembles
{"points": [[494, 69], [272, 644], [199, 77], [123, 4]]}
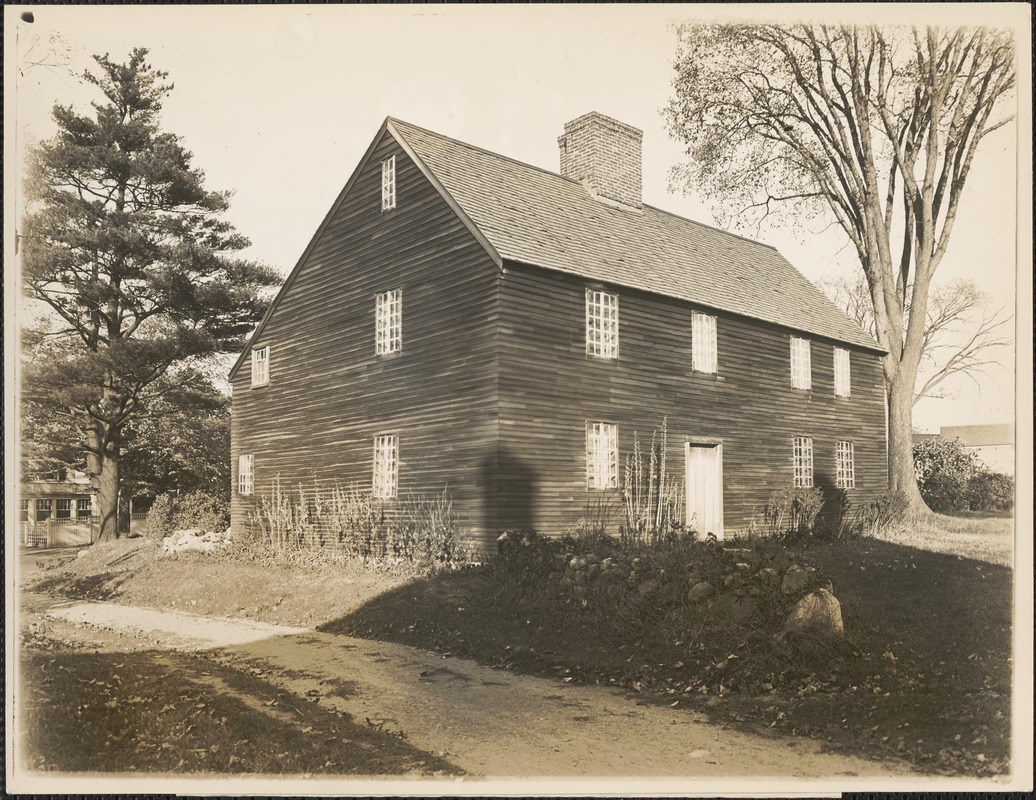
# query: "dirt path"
{"points": [[488, 722]]}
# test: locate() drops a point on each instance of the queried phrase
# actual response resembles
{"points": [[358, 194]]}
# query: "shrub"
{"points": [[990, 491], [793, 512], [879, 514], [944, 467], [951, 478], [171, 512], [350, 522], [158, 523]]}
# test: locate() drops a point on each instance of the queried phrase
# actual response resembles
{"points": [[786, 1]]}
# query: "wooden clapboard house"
{"points": [[464, 321]]}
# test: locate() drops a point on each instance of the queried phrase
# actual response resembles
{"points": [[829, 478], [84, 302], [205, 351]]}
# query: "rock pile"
{"points": [[195, 539]]}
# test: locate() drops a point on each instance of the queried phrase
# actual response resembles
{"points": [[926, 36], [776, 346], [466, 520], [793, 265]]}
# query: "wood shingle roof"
{"points": [[533, 216]]}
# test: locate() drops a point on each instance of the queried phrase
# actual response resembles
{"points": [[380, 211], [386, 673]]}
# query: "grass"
{"points": [[983, 537], [925, 673], [153, 712]]}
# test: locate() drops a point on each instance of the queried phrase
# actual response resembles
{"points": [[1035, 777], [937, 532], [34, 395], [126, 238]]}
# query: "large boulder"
{"points": [[818, 612]]}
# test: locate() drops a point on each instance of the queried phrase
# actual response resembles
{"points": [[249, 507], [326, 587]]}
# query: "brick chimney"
{"points": [[604, 155]]}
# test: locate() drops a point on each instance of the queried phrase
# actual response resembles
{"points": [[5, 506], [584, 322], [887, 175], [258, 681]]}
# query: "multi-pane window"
{"points": [[843, 380], [803, 462], [83, 507], [388, 183], [801, 371], [43, 509], [703, 342], [386, 466], [64, 508], [602, 456], [845, 475], [245, 464], [389, 322], [261, 366], [602, 324]]}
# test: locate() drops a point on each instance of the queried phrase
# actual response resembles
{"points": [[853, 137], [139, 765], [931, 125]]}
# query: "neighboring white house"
{"points": [[993, 444]]}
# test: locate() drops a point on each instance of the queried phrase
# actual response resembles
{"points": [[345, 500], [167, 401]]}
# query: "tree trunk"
{"points": [[902, 478], [107, 483]]}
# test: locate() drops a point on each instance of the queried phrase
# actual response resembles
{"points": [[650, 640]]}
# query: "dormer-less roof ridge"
{"points": [[534, 216], [551, 173]]}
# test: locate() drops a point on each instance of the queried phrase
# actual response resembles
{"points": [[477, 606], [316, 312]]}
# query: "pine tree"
{"points": [[129, 251]]}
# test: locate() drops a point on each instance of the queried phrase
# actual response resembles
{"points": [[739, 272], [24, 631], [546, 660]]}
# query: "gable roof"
{"points": [[534, 216]]}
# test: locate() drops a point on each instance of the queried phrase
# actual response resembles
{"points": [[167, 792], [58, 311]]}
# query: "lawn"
{"points": [[925, 672]]}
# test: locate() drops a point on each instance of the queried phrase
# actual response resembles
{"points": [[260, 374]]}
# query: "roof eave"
{"points": [[441, 189]]}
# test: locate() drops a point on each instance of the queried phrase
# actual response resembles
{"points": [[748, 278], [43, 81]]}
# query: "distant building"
{"points": [[57, 512], [993, 444]]}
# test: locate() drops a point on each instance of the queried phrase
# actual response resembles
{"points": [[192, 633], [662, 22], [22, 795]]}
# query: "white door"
{"points": [[705, 489]]}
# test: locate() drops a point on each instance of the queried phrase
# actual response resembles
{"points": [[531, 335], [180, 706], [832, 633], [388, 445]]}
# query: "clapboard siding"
{"points": [[329, 394], [549, 389]]}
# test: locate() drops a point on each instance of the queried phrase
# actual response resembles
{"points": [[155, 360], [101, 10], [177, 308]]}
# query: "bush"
{"points": [[171, 512], [951, 479], [944, 467], [793, 512], [350, 522], [990, 491]]}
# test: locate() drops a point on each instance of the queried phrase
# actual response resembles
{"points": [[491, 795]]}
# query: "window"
{"points": [[386, 466], [43, 508], [25, 506], [602, 456], [245, 464], [261, 366], [83, 507], [602, 324], [801, 373], [389, 322], [803, 462], [64, 509], [388, 183], [703, 342], [845, 476], [843, 382]]}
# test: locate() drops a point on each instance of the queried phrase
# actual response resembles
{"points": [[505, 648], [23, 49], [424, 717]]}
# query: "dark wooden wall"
{"points": [[549, 388], [492, 389], [329, 394]]}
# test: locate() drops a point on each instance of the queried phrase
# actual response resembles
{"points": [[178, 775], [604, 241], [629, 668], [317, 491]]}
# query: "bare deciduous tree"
{"points": [[876, 128], [961, 329]]}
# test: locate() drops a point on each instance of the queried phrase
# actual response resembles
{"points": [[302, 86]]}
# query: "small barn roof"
{"points": [[534, 216]]}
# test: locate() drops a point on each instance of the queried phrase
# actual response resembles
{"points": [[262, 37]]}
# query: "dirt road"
{"points": [[488, 722]]}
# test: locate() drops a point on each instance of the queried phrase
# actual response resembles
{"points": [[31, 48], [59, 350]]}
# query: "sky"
{"points": [[279, 103]]}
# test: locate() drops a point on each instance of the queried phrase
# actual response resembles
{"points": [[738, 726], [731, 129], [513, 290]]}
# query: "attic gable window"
{"points": [[845, 474], [386, 466], [803, 462], [244, 473], [261, 366], [388, 183], [703, 342], [843, 381], [602, 324], [801, 370], [389, 322], [602, 456]]}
